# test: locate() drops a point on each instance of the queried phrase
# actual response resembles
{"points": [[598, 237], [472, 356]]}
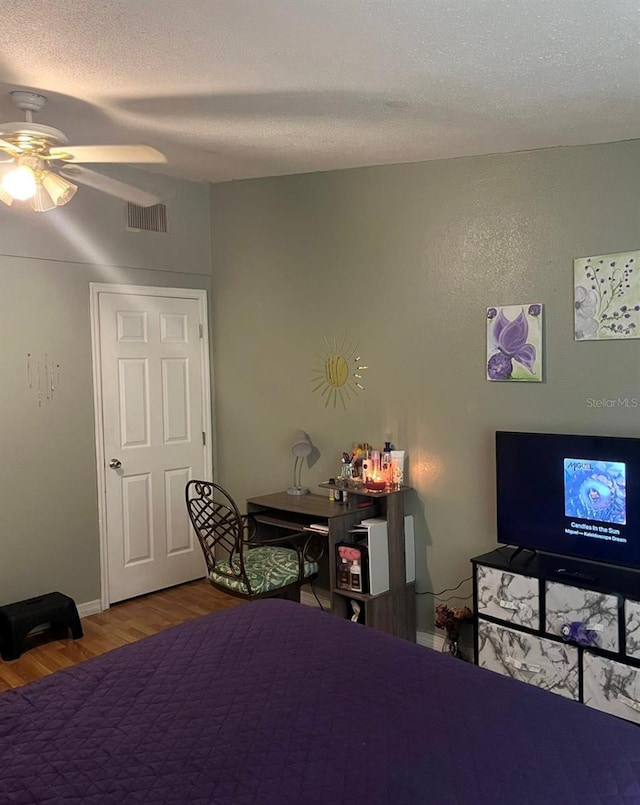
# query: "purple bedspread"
{"points": [[273, 702]]}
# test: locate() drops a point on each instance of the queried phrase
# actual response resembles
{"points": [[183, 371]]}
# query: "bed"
{"points": [[273, 702]]}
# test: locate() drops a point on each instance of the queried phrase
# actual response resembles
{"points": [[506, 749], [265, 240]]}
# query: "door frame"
{"points": [[97, 288]]}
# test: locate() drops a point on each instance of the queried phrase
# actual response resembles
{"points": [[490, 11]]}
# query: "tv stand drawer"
{"points": [[544, 663], [595, 613], [507, 596], [632, 628], [594, 619], [612, 687]]}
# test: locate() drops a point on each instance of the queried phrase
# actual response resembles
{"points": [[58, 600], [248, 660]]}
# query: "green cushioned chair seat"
{"points": [[267, 568]]}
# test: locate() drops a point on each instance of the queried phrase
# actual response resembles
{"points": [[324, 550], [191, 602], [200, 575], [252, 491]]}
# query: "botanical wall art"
{"points": [[607, 296], [338, 377], [514, 343]]}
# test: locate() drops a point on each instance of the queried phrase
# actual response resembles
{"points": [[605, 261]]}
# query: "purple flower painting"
{"points": [[606, 301], [514, 343]]}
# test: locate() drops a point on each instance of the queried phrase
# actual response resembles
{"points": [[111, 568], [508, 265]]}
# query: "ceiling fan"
{"points": [[46, 170]]}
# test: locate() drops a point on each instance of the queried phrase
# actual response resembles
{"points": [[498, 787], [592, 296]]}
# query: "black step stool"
{"points": [[17, 620]]}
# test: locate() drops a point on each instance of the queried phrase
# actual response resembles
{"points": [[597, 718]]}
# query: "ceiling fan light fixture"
{"points": [[32, 147], [59, 189], [5, 197], [41, 201], [20, 183]]}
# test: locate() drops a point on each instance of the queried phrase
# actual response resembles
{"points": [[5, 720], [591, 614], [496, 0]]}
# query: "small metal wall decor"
{"points": [[338, 375], [43, 377]]}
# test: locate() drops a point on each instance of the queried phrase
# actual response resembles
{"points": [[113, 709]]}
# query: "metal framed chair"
{"points": [[237, 563]]}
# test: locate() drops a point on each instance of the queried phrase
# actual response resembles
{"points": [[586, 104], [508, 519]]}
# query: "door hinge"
{"points": [[201, 330], [204, 438]]}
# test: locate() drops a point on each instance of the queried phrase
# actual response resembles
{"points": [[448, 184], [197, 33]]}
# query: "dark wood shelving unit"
{"points": [[392, 611]]}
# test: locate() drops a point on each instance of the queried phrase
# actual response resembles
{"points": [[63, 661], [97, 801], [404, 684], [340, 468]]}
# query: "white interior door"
{"points": [[153, 381]]}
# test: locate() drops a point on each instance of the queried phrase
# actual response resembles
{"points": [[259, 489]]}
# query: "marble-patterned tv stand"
{"points": [[568, 626]]}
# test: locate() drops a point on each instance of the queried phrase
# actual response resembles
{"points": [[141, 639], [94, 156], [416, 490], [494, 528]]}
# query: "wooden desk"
{"points": [[394, 611]]}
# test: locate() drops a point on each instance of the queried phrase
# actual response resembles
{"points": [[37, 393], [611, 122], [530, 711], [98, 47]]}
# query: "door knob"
{"points": [[115, 464]]}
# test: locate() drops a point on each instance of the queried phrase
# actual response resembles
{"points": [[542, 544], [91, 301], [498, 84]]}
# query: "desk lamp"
{"points": [[301, 447]]}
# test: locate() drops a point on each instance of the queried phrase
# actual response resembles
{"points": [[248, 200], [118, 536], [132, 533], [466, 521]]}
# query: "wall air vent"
{"points": [[146, 219]]}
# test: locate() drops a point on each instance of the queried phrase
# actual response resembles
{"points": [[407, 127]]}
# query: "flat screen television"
{"points": [[576, 496]]}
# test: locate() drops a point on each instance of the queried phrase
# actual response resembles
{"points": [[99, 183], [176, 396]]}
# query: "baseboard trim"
{"points": [[89, 608], [308, 599], [430, 640], [436, 642], [426, 639]]}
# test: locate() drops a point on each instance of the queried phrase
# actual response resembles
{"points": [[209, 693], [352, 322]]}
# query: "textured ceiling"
{"points": [[231, 89]]}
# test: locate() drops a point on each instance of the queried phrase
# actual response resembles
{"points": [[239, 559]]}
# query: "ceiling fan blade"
{"points": [[140, 154], [10, 147], [107, 184]]}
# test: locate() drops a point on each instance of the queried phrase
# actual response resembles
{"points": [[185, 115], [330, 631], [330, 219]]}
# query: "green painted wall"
{"points": [[404, 261], [48, 485]]}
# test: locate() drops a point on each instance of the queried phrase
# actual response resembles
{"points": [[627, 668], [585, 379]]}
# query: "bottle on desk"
{"points": [[387, 469], [366, 463], [375, 464], [346, 472]]}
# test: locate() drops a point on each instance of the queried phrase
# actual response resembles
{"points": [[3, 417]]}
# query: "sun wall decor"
{"points": [[606, 299], [338, 377]]}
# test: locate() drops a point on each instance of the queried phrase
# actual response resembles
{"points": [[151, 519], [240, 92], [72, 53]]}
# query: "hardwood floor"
{"points": [[122, 623]]}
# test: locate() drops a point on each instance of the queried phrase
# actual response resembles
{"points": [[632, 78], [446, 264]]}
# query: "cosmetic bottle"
{"points": [[366, 462], [397, 463], [346, 474], [356, 577], [387, 472], [344, 575]]}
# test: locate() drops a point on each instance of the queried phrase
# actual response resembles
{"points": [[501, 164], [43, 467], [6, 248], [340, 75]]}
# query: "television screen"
{"points": [[570, 495]]}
